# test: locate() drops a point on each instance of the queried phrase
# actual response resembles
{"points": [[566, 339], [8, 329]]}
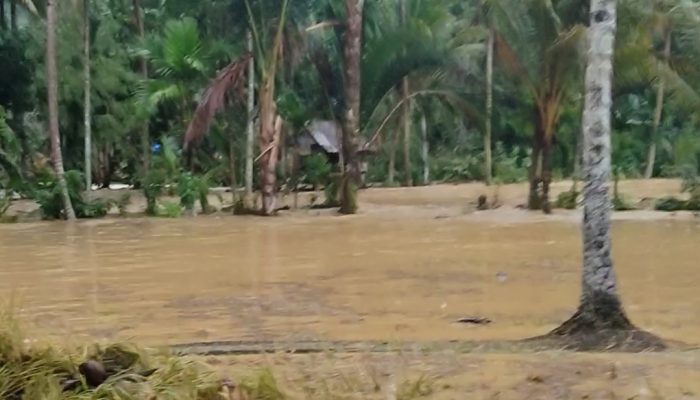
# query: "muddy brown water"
{"points": [[376, 276]]}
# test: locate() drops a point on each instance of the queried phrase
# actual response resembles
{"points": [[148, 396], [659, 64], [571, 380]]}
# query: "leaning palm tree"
{"points": [[539, 42], [600, 321], [52, 95]]}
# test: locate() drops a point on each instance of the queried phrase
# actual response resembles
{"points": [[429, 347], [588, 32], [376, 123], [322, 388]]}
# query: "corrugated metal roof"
{"points": [[326, 134]]}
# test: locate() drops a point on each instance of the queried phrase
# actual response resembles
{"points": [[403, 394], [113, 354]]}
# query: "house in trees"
{"points": [[325, 137]]}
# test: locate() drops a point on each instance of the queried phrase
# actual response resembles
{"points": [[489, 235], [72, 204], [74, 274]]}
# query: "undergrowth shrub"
{"points": [[48, 195]]}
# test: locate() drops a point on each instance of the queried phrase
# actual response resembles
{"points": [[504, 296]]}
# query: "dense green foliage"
{"points": [[439, 45]]}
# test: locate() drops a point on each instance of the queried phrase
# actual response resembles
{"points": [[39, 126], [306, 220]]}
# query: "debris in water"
{"points": [[94, 373], [474, 320]]}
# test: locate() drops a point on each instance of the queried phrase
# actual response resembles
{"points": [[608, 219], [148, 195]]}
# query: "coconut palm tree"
{"points": [[600, 320], [539, 42], [52, 95], [648, 53]]}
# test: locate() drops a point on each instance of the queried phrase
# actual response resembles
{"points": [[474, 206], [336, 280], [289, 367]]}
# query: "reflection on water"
{"points": [[163, 281]]}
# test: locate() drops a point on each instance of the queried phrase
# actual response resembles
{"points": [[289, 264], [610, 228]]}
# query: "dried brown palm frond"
{"points": [[214, 98]]}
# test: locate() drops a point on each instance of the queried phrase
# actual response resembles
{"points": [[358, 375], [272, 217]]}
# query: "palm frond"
{"points": [[213, 98]]}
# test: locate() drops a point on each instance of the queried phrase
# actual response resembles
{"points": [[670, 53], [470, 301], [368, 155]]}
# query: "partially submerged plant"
{"points": [[262, 386], [619, 202], [48, 195], [568, 200], [118, 371]]}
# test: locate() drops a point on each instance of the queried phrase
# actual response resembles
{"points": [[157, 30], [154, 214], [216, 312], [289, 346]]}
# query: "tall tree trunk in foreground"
{"points": [[143, 70], [352, 48], [658, 112], [52, 96], [488, 163], [424, 149], [600, 317], [270, 122], [87, 103], [250, 129]]}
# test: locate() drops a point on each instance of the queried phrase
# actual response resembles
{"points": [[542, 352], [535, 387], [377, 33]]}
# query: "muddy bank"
{"points": [[452, 376], [434, 201]]}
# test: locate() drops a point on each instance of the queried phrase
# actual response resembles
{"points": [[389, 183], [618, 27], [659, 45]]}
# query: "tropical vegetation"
{"points": [[172, 97]]}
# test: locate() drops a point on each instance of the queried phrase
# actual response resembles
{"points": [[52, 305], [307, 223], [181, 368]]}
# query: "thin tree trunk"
{"points": [[352, 48], [534, 199], [406, 115], [406, 122], [3, 21], [87, 105], [283, 154], [250, 128], [600, 308], [232, 166], [424, 149], [52, 96], [391, 174], [658, 112], [488, 163], [13, 14], [546, 174], [143, 69]]}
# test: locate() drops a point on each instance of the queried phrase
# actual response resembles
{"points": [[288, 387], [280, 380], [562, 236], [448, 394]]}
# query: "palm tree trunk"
{"points": [[270, 127], [3, 21], [600, 308], [424, 149], [352, 48], [232, 166], [546, 174], [406, 122], [13, 14], [250, 129], [52, 96], [87, 105], [536, 165], [406, 115], [488, 163], [658, 112], [143, 69], [391, 174]]}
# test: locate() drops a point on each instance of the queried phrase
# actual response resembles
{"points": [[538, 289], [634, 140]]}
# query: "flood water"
{"points": [[333, 278]]}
